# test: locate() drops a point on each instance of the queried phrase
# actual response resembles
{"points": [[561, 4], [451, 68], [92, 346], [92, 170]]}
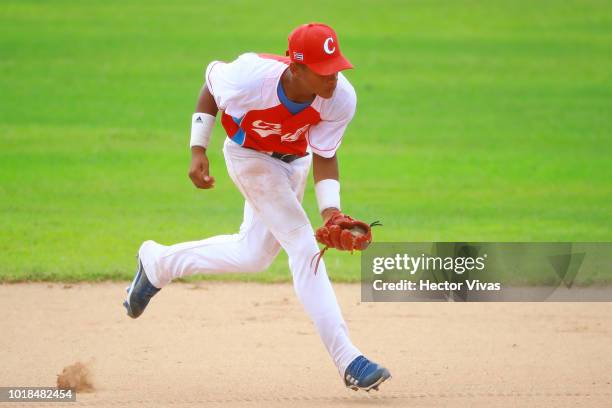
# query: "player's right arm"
{"points": [[198, 170], [230, 87]]}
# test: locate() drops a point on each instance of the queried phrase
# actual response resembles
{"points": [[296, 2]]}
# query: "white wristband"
{"points": [[201, 129], [328, 194]]}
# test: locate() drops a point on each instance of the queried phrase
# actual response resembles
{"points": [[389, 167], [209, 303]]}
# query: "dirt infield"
{"points": [[251, 345]]}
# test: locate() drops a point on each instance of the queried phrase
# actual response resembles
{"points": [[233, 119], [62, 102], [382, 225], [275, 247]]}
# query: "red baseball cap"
{"points": [[316, 46]]}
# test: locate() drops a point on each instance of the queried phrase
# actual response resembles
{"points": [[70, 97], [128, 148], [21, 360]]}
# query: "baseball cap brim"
{"points": [[331, 66]]}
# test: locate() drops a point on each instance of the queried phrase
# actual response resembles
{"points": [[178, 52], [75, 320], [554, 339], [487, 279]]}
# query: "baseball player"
{"points": [[280, 114]]}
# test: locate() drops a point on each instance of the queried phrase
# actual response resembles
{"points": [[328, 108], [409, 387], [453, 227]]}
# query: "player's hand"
{"points": [[198, 171], [328, 213]]}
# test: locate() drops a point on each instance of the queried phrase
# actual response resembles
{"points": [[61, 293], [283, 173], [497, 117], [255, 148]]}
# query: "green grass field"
{"points": [[477, 121]]}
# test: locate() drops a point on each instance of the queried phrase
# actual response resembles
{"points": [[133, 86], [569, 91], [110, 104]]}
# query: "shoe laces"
{"points": [[360, 366]]}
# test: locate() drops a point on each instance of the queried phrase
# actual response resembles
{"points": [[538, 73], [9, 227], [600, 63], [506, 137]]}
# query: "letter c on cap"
{"points": [[326, 46]]}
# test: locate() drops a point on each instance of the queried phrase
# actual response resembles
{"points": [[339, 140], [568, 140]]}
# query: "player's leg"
{"points": [[252, 249], [274, 189]]}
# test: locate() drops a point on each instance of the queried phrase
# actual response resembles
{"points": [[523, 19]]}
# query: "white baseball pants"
{"points": [[273, 218]]}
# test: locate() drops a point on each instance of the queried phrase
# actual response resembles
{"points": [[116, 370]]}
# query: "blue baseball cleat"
{"points": [[139, 292], [363, 374]]}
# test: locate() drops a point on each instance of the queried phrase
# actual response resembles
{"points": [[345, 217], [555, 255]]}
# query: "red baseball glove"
{"points": [[344, 233]]}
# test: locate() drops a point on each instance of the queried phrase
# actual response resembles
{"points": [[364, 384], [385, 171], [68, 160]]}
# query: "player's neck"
{"points": [[293, 90]]}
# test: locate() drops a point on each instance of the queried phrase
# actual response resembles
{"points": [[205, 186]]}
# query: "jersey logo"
{"points": [[292, 137], [326, 48], [265, 129]]}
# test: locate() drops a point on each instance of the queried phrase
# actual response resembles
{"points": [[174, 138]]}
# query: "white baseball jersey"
{"points": [[257, 114]]}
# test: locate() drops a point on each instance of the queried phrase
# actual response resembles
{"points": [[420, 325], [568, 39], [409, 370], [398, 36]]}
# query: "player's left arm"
{"points": [[324, 168], [339, 230], [325, 139]]}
